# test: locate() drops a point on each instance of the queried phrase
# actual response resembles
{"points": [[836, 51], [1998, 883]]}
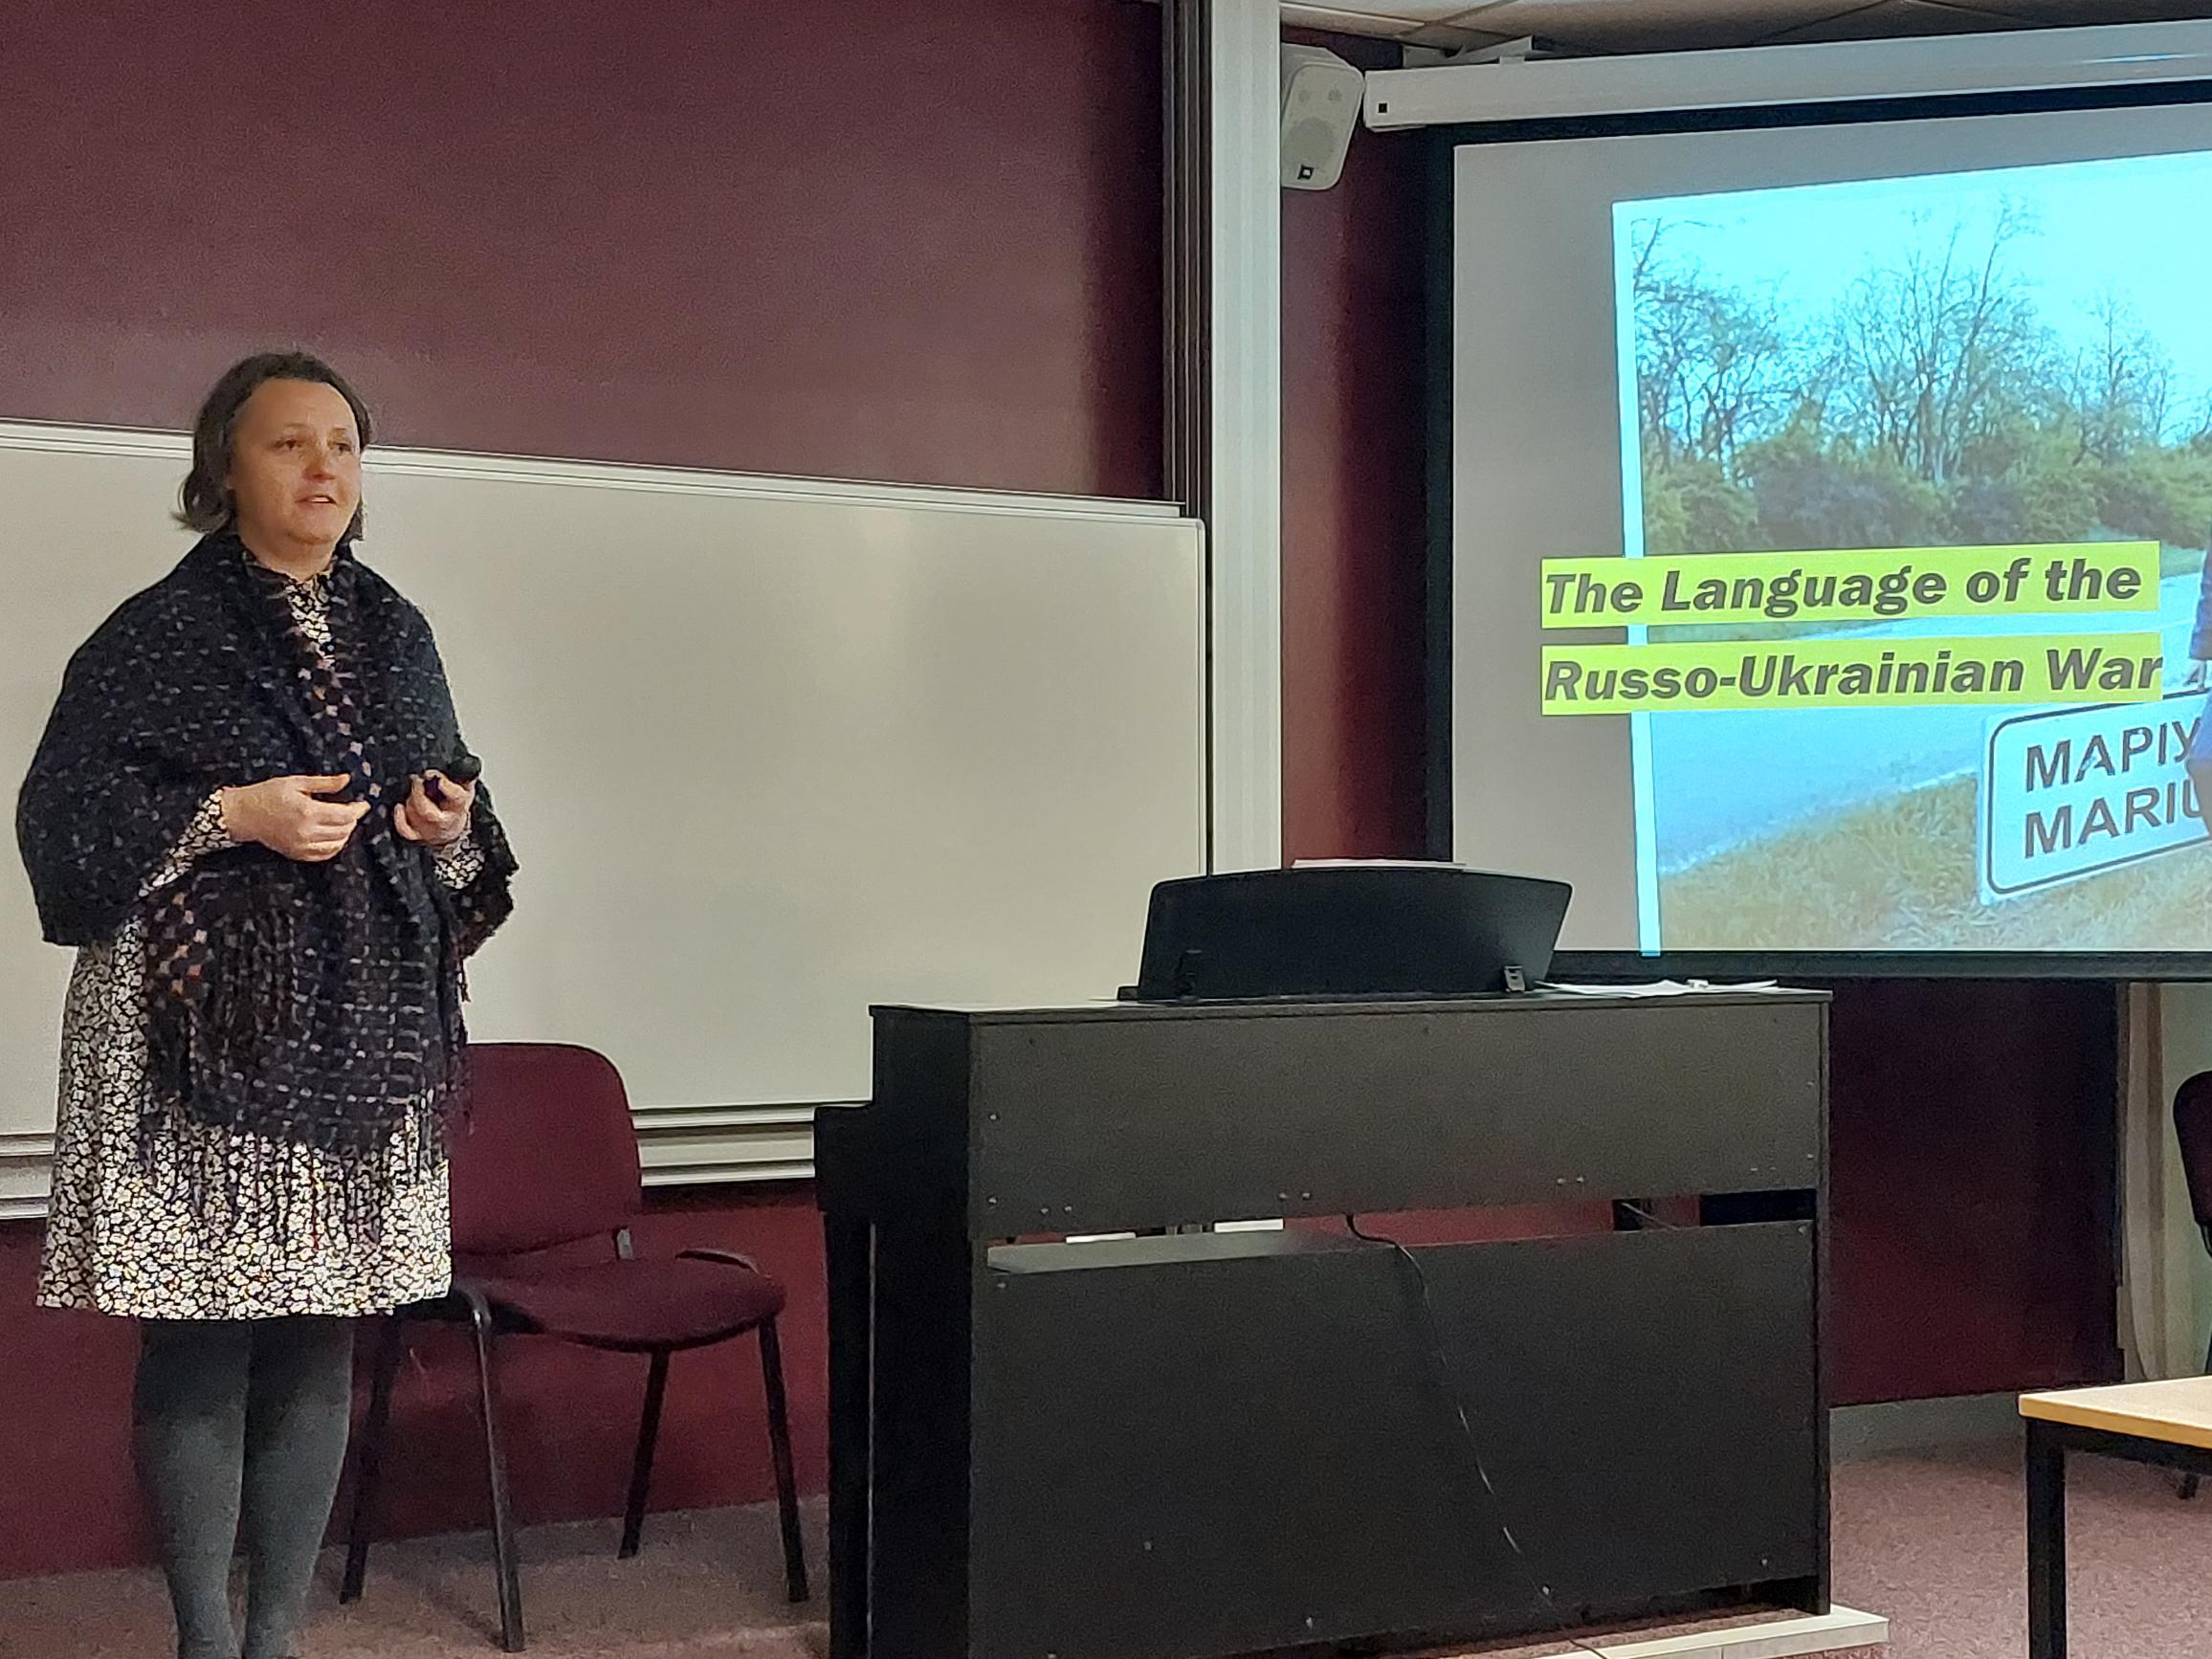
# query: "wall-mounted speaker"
{"points": [[1321, 106]]}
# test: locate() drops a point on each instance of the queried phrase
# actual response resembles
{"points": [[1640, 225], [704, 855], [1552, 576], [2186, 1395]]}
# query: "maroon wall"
{"points": [[1970, 1133], [1354, 536], [909, 241], [885, 240], [1972, 1186], [68, 1501], [912, 242]]}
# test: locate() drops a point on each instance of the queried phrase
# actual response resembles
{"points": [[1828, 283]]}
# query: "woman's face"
{"points": [[294, 466]]}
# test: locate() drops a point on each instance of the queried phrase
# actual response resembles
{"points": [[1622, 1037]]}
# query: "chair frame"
{"points": [[2191, 1481], [489, 1319]]}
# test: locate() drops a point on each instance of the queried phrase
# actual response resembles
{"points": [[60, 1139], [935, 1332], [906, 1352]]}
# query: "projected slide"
{"points": [[1953, 434]]}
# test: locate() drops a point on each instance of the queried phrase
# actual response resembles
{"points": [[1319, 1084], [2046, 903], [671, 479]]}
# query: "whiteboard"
{"points": [[768, 751]]}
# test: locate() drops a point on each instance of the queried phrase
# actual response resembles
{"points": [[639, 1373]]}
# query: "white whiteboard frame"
{"points": [[698, 1145], [678, 1145], [1243, 431], [54, 438]]}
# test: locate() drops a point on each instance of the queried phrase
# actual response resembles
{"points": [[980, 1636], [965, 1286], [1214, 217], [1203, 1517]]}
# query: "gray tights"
{"points": [[240, 1433]]}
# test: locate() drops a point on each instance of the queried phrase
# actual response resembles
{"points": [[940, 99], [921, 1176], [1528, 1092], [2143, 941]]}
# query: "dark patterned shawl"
{"points": [[318, 1004]]}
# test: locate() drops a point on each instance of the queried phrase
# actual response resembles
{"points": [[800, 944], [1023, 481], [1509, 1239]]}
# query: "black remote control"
{"points": [[463, 768]]}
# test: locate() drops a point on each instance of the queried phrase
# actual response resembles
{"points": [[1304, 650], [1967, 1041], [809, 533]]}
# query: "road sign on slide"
{"points": [[2076, 791]]}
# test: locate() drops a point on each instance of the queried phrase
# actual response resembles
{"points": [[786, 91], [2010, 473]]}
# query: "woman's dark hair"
{"points": [[205, 501]]}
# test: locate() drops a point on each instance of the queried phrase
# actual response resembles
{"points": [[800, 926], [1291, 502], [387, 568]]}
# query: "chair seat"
{"points": [[657, 1302]]}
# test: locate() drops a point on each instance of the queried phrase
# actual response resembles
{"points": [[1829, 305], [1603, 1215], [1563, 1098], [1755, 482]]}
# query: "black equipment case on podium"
{"points": [[1214, 1443]]}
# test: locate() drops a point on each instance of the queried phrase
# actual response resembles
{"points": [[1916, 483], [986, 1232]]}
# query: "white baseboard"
{"points": [[26, 1171], [1907, 1426], [677, 1145], [1830, 1632]]}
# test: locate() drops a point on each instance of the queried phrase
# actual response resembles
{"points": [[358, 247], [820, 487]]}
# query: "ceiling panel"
{"points": [[1451, 37], [1391, 19], [1663, 25], [1893, 17], [1650, 24], [2061, 11], [1376, 16]]}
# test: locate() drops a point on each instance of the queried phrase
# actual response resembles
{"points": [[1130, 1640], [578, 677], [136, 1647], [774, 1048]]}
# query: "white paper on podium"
{"points": [[1661, 988]]}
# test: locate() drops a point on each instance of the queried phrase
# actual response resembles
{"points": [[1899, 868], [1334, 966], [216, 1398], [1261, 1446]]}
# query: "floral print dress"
{"points": [[123, 1238]]}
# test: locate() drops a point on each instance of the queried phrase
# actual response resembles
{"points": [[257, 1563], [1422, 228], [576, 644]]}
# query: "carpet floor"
{"points": [[1934, 1543]]}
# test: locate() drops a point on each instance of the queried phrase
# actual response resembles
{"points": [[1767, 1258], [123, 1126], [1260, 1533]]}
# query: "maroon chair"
{"points": [[2193, 1129], [546, 1185]]}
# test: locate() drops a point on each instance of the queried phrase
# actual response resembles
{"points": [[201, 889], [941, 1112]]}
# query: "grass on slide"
{"points": [[1899, 875]]}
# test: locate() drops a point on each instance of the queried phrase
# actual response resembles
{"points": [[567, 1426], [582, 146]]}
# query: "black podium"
{"points": [[1212, 1442]]}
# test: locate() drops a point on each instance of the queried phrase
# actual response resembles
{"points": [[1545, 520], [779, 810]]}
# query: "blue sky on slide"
{"points": [[2134, 226]]}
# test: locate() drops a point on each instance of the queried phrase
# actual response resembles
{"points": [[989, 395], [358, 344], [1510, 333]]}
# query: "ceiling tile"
{"points": [[1895, 18], [1343, 20], [1454, 37], [1397, 15], [1662, 25], [1416, 21], [1650, 24], [2064, 11]]}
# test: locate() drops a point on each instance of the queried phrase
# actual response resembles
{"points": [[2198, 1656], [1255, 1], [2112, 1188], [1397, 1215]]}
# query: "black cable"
{"points": [[1433, 1330]]}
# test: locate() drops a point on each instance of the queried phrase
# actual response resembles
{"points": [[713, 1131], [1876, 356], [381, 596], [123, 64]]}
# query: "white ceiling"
{"points": [[1668, 25]]}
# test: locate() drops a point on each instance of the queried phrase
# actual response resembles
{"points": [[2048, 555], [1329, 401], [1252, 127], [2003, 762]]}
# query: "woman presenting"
{"points": [[240, 816]]}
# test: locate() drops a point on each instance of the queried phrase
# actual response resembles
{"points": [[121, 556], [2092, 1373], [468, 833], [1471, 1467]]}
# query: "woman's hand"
{"points": [[287, 815], [434, 823]]}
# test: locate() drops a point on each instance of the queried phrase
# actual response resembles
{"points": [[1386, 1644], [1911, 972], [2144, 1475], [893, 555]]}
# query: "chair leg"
{"points": [[779, 1449], [2190, 1482], [511, 1637], [368, 1470], [641, 1467]]}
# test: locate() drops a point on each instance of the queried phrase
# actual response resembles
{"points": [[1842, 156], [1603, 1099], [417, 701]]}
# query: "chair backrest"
{"points": [[547, 1153], [2193, 1128]]}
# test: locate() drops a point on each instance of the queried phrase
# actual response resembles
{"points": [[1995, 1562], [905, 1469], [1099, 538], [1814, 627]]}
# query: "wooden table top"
{"points": [[2175, 1413]]}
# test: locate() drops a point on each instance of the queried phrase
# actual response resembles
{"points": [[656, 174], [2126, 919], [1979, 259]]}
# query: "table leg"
{"points": [[2046, 1541]]}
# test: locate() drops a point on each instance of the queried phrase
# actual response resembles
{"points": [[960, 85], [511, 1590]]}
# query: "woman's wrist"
{"points": [[226, 814]]}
